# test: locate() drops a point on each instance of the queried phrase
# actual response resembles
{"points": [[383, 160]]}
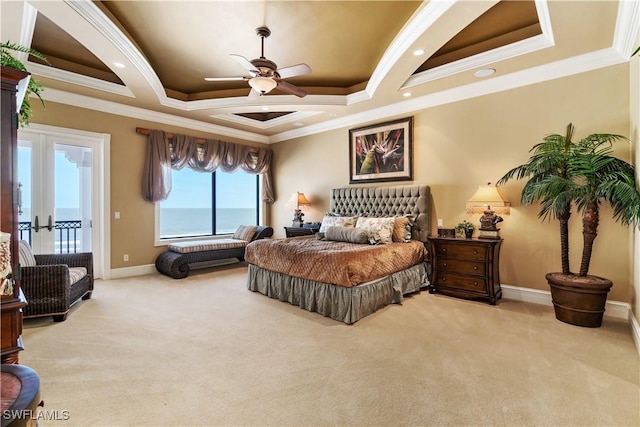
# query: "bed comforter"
{"points": [[339, 263]]}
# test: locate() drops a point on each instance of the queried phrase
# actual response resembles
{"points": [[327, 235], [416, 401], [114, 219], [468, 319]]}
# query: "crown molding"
{"points": [[278, 121], [627, 28], [493, 56], [424, 18], [90, 12], [79, 79], [109, 107], [566, 67]]}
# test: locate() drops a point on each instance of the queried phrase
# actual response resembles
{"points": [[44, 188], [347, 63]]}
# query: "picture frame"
{"points": [[381, 152]]}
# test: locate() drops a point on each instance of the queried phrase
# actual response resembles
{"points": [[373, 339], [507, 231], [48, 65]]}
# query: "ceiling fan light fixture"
{"points": [[262, 84]]}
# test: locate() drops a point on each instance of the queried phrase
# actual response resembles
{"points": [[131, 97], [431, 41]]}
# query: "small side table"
{"points": [[307, 229], [20, 395]]}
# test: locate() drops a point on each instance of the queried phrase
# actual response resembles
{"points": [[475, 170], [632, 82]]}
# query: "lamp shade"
{"points": [[488, 196], [262, 84], [298, 199]]}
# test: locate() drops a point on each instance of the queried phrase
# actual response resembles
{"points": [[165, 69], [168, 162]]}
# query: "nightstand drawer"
{"points": [[461, 251], [449, 265], [476, 284]]}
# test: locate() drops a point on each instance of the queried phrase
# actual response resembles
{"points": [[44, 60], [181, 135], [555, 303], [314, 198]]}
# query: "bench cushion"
{"points": [[206, 245], [76, 274], [245, 232]]}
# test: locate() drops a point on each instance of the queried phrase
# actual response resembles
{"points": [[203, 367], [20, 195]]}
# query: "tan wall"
{"points": [[464, 144], [456, 147], [634, 129], [133, 233]]}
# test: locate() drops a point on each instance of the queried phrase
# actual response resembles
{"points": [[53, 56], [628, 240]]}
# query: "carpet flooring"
{"points": [[154, 351]]}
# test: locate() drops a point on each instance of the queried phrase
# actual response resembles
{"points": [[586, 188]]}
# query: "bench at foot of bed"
{"points": [[175, 261]]}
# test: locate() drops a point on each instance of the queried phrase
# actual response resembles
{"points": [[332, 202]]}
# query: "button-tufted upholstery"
{"points": [[386, 201]]}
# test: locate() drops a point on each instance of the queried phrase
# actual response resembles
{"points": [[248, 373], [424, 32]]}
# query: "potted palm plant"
{"points": [[562, 174], [7, 59]]}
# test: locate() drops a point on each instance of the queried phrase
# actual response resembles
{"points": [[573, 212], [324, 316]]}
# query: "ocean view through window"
{"points": [[204, 204]]}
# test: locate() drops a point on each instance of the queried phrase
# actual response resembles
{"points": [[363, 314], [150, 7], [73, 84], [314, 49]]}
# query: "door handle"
{"points": [[20, 212], [37, 226]]}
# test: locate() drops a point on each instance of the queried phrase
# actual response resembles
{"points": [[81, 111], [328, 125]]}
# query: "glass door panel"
{"points": [[55, 182]]}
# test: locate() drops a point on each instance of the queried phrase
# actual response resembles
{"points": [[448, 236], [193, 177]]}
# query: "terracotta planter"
{"points": [[577, 300]]}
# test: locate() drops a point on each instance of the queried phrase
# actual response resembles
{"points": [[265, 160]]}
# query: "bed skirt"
{"points": [[346, 304]]}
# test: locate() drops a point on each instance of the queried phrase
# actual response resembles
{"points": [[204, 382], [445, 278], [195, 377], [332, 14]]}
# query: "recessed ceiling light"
{"points": [[406, 94], [418, 52], [485, 72], [265, 108], [118, 64], [298, 124]]}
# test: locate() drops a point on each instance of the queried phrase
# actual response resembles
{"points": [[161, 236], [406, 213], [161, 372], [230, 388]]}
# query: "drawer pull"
{"points": [[475, 283], [444, 250], [475, 267], [444, 264], [444, 278], [475, 252]]}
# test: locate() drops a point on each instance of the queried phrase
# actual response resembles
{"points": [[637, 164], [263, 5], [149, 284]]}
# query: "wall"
{"points": [[456, 147], [461, 145], [133, 233], [634, 130]]}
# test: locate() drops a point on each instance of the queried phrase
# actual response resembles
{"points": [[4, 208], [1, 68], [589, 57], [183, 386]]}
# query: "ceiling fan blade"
{"points": [[294, 70], [245, 63], [254, 94], [225, 79], [289, 88]]}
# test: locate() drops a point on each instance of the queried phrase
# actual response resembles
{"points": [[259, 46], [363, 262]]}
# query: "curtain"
{"points": [[185, 151]]}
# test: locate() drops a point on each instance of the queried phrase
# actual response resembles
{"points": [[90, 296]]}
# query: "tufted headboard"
{"points": [[386, 201]]}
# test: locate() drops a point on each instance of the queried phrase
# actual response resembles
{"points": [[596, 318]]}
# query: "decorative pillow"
{"points": [[245, 232], [340, 221], [25, 254], [346, 234], [379, 230], [402, 228]]}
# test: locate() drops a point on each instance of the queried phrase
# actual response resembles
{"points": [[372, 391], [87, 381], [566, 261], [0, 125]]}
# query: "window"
{"points": [[205, 204]]}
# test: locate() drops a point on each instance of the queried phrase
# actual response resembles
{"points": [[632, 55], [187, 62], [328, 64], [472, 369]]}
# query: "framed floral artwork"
{"points": [[381, 152]]}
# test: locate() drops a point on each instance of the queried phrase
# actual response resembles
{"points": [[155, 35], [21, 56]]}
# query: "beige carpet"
{"points": [[155, 351]]}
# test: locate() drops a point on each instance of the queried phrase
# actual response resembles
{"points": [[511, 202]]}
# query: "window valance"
{"points": [[179, 151]]}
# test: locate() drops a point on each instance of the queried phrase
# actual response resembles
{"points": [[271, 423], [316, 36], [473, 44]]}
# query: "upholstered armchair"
{"points": [[52, 283]]}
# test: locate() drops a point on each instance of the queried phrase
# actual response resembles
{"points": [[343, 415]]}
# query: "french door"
{"points": [[59, 196]]}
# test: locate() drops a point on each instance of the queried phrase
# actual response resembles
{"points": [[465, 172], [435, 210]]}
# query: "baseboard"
{"points": [[614, 309], [635, 331], [141, 270], [138, 270]]}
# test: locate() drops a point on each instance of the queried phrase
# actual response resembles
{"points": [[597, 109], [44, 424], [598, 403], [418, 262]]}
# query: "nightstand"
{"points": [[306, 230], [467, 268]]}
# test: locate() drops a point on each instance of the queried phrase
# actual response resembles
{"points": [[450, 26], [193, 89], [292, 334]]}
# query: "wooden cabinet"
{"points": [[11, 308], [467, 268]]}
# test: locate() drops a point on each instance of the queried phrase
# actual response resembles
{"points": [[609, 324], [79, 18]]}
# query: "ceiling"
{"points": [[148, 59]]}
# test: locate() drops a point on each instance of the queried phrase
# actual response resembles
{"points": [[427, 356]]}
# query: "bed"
{"points": [[342, 280]]}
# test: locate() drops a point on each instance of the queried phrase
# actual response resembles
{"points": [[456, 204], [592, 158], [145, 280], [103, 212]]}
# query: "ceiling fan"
{"points": [[265, 74]]}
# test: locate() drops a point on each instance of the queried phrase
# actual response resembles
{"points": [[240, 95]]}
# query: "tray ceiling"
{"points": [[152, 57]]}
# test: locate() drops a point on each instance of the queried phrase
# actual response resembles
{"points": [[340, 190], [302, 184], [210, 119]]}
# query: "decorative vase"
{"points": [[578, 300], [468, 233]]}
